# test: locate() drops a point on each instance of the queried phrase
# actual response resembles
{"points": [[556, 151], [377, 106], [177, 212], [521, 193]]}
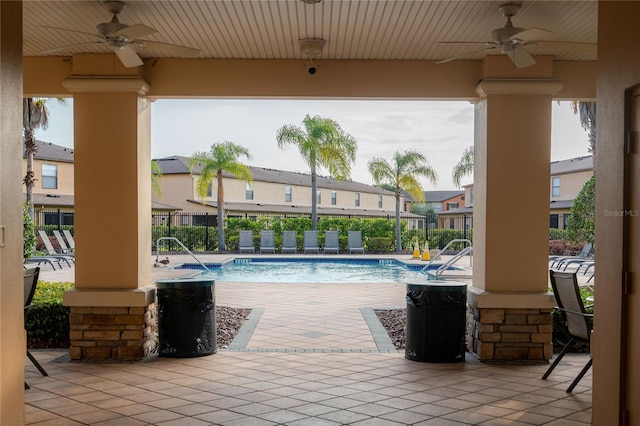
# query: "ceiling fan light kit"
{"points": [[121, 38], [512, 41], [311, 48]]}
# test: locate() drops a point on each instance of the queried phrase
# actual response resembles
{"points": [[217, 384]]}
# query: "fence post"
{"points": [[59, 220], [464, 225], [169, 228], [206, 231]]}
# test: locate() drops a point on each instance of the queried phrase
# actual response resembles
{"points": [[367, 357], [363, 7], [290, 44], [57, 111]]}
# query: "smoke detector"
{"points": [[311, 47]]}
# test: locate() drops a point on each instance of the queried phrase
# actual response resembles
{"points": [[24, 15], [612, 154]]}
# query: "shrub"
{"points": [[47, 321], [379, 244], [28, 232]]}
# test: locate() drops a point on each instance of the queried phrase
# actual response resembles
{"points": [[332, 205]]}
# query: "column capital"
{"points": [[106, 84], [518, 86]]}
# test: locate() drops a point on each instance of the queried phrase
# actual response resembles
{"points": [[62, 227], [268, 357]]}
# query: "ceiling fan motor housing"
{"points": [[110, 29]]}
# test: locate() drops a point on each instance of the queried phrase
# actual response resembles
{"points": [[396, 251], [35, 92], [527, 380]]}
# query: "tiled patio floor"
{"points": [[311, 360]]}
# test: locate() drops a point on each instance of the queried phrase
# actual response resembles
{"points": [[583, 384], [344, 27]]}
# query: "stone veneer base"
{"points": [[117, 333], [510, 334]]}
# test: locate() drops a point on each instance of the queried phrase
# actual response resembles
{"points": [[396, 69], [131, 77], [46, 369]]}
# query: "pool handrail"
{"points": [[183, 246], [467, 250]]}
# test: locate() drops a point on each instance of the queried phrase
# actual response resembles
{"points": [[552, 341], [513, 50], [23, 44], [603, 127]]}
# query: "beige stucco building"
{"points": [[512, 120], [567, 177], [271, 192]]}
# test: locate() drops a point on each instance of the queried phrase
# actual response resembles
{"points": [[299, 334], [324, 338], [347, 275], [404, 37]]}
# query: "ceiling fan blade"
{"points": [[530, 34], [486, 49], [137, 30], [172, 49], [74, 31], [521, 58], [128, 57], [569, 45], [71, 46]]}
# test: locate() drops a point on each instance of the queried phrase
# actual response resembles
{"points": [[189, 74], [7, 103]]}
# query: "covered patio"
{"points": [[513, 120]]}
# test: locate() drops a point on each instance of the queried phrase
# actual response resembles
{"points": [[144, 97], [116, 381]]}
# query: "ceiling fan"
{"points": [[511, 41], [121, 38]]}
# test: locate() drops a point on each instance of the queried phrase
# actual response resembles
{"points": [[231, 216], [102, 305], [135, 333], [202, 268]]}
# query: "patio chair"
{"points": [[585, 253], [52, 252], [331, 241], [63, 245], [246, 242], [311, 242], [267, 243], [289, 242], [577, 323], [354, 242], [30, 282], [70, 240]]}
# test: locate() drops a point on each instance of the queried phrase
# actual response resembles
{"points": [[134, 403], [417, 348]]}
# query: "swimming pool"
{"points": [[313, 270]]}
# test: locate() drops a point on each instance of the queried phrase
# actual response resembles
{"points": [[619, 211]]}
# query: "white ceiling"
{"points": [[353, 29]]}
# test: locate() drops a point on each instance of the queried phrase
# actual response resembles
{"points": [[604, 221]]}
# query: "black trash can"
{"points": [[186, 317], [436, 321]]}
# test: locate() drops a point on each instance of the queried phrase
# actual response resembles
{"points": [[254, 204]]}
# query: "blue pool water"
{"points": [[279, 270]]}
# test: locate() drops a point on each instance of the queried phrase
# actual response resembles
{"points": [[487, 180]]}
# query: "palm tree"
{"points": [[587, 113], [156, 174], [322, 143], [464, 166], [402, 174], [35, 115], [222, 157]]}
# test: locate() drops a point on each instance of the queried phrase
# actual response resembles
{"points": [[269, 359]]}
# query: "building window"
{"points": [[210, 190], [565, 220], [452, 223], [471, 196], [357, 199], [287, 194], [49, 176], [555, 187], [248, 191], [437, 207], [334, 198], [379, 201], [452, 206], [553, 221], [318, 197]]}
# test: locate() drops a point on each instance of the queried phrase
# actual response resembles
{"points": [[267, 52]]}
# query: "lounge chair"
{"points": [[576, 321], [311, 242], [245, 243], [63, 245], [30, 282], [39, 260], [52, 252], [331, 241], [289, 242], [354, 242], [70, 240], [586, 253], [267, 243]]}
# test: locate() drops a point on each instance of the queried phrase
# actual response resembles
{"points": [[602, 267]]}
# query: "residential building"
{"points": [[567, 177], [53, 188], [53, 195], [274, 192]]}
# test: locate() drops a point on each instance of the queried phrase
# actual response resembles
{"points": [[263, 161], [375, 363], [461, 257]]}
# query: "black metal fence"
{"points": [[199, 230]]}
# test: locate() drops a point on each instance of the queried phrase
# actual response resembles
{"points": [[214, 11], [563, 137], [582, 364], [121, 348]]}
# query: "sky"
{"points": [[440, 130]]}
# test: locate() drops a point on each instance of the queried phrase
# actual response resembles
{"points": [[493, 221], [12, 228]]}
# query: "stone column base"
{"points": [[102, 329], [501, 328]]}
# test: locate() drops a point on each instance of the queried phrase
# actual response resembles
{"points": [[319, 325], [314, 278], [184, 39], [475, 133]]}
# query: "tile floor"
{"points": [[309, 357]]}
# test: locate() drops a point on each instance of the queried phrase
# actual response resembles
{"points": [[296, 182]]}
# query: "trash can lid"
{"points": [[437, 285], [185, 282]]}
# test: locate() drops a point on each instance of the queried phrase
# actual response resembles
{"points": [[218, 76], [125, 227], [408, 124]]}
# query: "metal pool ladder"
{"points": [[439, 272], [181, 245]]}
